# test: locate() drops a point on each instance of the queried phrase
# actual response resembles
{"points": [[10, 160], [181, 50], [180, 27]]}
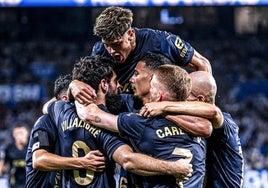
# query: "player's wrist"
{"points": [[169, 168]]}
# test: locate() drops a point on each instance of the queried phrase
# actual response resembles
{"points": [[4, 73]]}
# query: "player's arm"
{"points": [[199, 63], [192, 116], [2, 161], [134, 162], [2, 167], [46, 161], [93, 114], [146, 166], [45, 106], [195, 126], [192, 108]]}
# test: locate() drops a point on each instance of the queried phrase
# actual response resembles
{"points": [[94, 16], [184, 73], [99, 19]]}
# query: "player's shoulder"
{"points": [[227, 115], [148, 32], [43, 122], [44, 117], [228, 128], [228, 119], [98, 45], [99, 49], [133, 118], [62, 105]]}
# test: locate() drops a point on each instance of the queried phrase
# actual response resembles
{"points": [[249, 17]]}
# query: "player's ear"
{"points": [[104, 86], [201, 98], [159, 96], [64, 98], [131, 34]]}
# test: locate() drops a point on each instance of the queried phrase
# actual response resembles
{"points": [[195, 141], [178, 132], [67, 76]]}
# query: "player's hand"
{"points": [[95, 161], [152, 109], [83, 93], [183, 169]]}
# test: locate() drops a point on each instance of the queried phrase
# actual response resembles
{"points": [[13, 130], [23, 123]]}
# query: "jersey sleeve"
{"points": [[130, 125], [99, 49], [178, 50], [224, 153], [170, 45], [44, 134], [109, 142]]}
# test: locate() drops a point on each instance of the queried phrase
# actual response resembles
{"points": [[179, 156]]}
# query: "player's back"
{"points": [[162, 139], [224, 156], [77, 138]]}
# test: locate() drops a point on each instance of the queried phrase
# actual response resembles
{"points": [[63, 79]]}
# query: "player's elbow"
{"points": [[204, 64], [217, 120], [201, 63], [127, 163], [207, 65], [205, 129], [35, 166], [83, 117], [39, 162], [86, 116]]}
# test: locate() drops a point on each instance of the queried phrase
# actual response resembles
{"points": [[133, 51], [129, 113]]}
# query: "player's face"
{"points": [[113, 86], [140, 81], [20, 135], [120, 48]]}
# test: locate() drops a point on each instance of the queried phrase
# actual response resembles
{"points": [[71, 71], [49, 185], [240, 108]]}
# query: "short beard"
{"points": [[114, 104]]}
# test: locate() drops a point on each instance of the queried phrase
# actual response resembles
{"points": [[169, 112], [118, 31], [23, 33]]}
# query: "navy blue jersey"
{"points": [[224, 156], [16, 160], [162, 139], [77, 138], [154, 41], [43, 136], [130, 103]]}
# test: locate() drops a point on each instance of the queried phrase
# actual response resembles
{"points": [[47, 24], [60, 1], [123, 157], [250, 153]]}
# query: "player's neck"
{"points": [[145, 99], [100, 101], [100, 98]]}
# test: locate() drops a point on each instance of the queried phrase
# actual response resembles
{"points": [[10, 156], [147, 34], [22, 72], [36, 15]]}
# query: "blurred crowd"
{"points": [[240, 67]]}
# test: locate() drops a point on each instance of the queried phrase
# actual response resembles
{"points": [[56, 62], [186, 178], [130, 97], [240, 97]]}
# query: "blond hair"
{"points": [[175, 79]]}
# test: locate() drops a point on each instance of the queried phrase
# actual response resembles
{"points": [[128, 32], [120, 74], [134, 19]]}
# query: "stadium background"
{"points": [[40, 42]]}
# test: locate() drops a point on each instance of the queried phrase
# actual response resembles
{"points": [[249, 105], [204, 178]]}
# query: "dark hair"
{"points": [[21, 124], [61, 85], [92, 69], [153, 60], [113, 22]]}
